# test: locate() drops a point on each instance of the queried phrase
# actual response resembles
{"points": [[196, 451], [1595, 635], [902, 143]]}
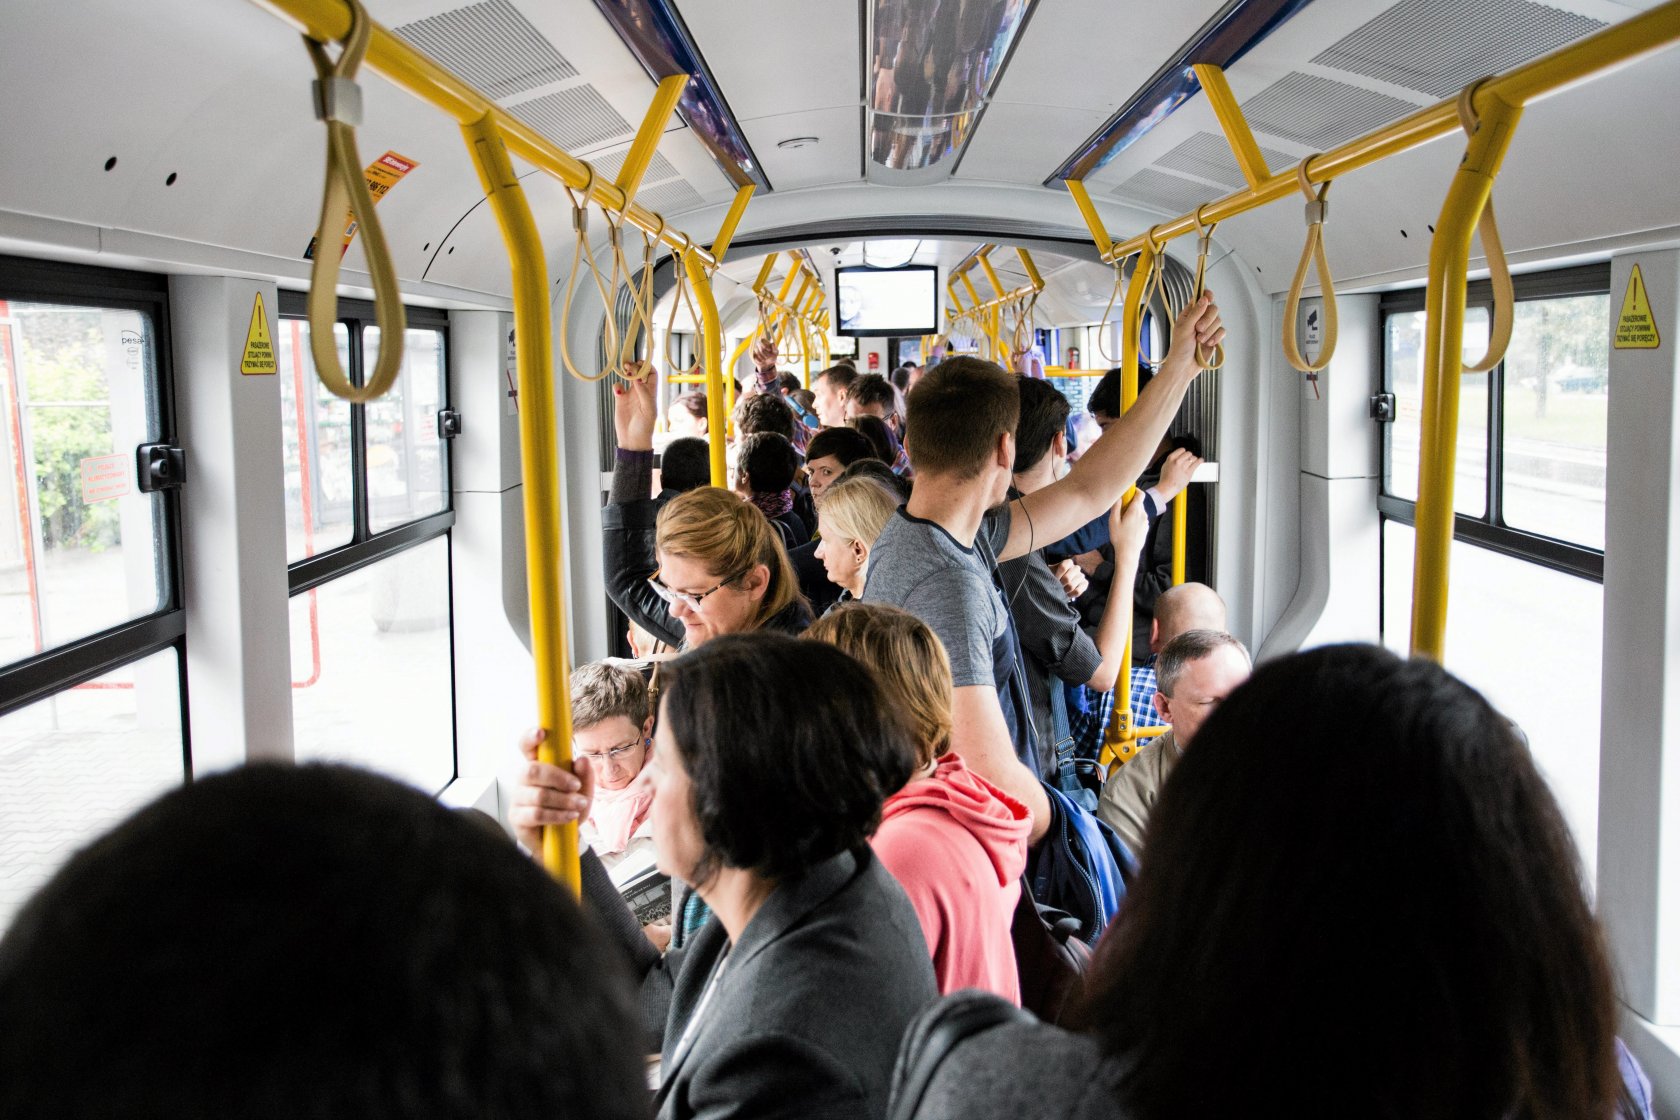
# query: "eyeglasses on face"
{"points": [[613, 754], [689, 599]]}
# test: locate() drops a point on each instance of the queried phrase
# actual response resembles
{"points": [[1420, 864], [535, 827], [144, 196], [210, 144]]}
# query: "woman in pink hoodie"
{"points": [[955, 842]]}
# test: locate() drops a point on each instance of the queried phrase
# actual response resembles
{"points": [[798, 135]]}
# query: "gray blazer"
{"points": [[808, 1012]]}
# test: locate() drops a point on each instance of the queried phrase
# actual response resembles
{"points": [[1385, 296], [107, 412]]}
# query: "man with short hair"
{"points": [[874, 395], [938, 556], [684, 465], [830, 388], [1197, 670]]}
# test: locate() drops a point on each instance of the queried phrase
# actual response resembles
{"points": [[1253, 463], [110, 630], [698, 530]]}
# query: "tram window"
{"points": [[80, 760], [1531, 639], [80, 545], [1556, 418], [371, 668], [1403, 359], [317, 442], [405, 458]]}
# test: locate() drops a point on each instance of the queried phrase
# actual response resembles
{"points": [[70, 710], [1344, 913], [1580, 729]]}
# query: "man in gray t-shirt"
{"points": [[937, 558], [916, 564]]}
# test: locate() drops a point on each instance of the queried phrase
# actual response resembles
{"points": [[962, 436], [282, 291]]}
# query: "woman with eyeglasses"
{"points": [[706, 564]]}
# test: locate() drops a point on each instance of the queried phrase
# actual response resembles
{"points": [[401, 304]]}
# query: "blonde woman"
{"points": [[850, 515], [705, 564], [955, 842]]}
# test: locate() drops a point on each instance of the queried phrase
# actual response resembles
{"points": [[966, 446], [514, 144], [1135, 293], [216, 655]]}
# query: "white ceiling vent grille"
{"points": [[1208, 155], [1440, 46], [1172, 193], [1319, 112], [490, 45], [670, 198], [573, 118], [608, 166]]}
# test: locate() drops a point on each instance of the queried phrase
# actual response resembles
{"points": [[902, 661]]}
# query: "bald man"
{"points": [[1189, 606]]}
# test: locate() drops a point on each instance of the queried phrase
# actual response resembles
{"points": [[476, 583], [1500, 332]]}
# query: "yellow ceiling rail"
{"points": [[409, 69], [991, 274], [1634, 38], [1234, 124]]}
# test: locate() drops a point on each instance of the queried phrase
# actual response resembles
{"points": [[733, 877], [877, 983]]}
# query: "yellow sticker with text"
{"points": [[259, 356], [1636, 327], [381, 175]]}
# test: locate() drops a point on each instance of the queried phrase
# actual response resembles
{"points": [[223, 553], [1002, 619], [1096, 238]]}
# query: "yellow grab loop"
{"points": [[338, 102], [1204, 242], [681, 294], [1113, 298], [1499, 270], [581, 257], [641, 315], [1317, 210]]}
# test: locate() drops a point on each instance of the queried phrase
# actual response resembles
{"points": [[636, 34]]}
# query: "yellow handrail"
{"points": [[1120, 741], [1443, 365], [1643, 34], [409, 69], [538, 452], [493, 136]]}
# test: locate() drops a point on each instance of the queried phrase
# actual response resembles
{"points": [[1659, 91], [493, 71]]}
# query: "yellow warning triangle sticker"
{"points": [[1636, 328], [259, 356]]}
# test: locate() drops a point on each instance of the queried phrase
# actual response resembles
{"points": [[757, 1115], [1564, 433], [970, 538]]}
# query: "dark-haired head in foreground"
{"points": [[278, 943], [1365, 903]]}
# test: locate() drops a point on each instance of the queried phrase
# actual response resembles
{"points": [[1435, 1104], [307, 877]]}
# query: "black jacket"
{"points": [[627, 530]]}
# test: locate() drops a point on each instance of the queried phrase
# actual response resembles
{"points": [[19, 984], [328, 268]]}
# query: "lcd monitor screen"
{"points": [[887, 301]]}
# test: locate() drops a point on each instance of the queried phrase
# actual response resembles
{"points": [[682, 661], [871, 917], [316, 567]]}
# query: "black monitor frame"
{"points": [[886, 332]]}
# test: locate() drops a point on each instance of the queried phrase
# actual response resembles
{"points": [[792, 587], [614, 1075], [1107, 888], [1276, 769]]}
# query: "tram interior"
{"points": [[338, 582]]}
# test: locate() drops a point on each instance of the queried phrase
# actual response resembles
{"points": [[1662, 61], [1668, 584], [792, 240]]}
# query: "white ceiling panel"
{"points": [[835, 158], [1023, 143], [779, 56]]}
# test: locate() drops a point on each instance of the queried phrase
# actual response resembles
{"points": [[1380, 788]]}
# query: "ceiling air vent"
{"points": [[1440, 46], [573, 118], [1171, 193], [492, 46], [1319, 112], [1208, 155], [670, 198], [608, 166]]}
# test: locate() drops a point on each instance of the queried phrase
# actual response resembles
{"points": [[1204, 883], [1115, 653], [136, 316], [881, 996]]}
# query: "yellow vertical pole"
{"points": [[636, 162], [711, 351], [538, 453], [1120, 740], [1443, 366], [1181, 533]]}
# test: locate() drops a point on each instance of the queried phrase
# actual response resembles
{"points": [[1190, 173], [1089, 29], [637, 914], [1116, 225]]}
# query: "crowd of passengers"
{"points": [[861, 735]]}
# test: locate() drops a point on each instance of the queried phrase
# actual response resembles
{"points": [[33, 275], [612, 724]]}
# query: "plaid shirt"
{"points": [[1090, 712]]}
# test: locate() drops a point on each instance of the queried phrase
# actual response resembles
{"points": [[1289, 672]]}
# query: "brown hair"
{"points": [[728, 536], [604, 689], [765, 412], [957, 412], [909, 662]]}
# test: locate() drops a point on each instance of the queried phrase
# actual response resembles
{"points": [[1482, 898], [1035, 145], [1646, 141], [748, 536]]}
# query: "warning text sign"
{"points": [[258, 358], [105, 477], [381, 175], [1636, 327]]}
